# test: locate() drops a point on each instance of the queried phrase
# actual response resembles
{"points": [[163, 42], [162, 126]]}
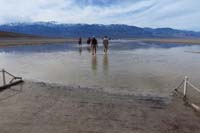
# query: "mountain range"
{"points": [[117, 31]]}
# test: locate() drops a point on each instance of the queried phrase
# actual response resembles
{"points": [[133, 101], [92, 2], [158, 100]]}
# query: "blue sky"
{"points": [[180, 14]]}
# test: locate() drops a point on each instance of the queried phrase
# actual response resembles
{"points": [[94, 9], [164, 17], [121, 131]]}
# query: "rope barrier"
{"points": [[176, 89], [197, 89], [185, 83]]}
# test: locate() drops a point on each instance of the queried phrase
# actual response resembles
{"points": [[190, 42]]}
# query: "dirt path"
{"points": [[43, 108]]}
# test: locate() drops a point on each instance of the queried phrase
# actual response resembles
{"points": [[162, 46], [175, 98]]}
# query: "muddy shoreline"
{"points": [[49, 108]]}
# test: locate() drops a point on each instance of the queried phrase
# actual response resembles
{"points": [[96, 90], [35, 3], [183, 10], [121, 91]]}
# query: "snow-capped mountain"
{"points": [[54, 29]]}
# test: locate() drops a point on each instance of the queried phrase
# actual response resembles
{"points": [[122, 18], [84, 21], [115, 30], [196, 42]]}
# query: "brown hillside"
{"points": [[4, 34]]}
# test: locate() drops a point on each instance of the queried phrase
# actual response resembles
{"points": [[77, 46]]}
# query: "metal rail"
{"points": [[12, 81]]}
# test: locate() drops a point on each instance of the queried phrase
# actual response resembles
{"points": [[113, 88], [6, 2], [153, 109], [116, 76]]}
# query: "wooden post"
{"points": [[4, 77], [185, 86]]}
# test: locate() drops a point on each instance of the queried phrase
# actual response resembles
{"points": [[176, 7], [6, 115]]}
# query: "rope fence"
{"points": [[186, 84]]}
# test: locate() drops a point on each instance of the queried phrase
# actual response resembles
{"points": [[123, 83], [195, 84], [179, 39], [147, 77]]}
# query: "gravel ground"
{"points": [[49, 108]]}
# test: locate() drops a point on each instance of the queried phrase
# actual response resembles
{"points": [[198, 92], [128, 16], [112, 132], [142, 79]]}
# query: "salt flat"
{"points": [[48, 108]]}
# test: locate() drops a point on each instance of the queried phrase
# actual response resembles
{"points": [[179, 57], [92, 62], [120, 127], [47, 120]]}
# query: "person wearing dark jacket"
{"points": [[80, 41], [94, 45], [88, 41]]}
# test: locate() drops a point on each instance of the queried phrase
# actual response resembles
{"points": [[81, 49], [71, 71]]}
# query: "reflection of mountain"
{"points": [[143, 45], [70, 47], [39, 48], [75, 30]]}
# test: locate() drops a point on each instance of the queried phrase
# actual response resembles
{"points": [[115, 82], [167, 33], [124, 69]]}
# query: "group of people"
{"points": [[93, 44]]}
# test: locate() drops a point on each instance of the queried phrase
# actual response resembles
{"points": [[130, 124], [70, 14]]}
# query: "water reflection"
{"points": [[88, 49], [94, 63], [130, 65], [80, 50], [115, 45], [105, 63]]}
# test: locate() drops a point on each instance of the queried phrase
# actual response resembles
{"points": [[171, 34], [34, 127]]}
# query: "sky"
{"points": [[179, 14]]}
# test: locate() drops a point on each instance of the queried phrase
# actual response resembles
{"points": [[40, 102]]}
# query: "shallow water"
{"points": [[128, 65]]}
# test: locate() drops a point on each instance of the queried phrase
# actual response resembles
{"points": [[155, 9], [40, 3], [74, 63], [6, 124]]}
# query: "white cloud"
{"points": [[181, 14]]}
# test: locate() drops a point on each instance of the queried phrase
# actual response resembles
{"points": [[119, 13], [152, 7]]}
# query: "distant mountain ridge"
{"points": [[53, 29]]}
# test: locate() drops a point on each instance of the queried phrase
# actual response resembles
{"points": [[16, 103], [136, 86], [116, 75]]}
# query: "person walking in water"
{"points": [[88, 43], [94, 45], [105, 44], [80, 41]]}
